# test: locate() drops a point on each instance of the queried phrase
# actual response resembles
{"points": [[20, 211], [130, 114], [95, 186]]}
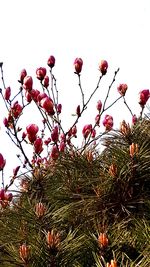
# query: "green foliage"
{"points": [[83, 198]]}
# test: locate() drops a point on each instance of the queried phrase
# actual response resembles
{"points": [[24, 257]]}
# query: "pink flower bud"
{"points": [[16, 110], [28, 96], [7, 93], [34, 94], [99, 105], [46, 81], [46, 142], [78, 112], [62, 146], [23, 74], [54, 152], [78, 65], [2, 162], [40, 73], [51, 62], [108, 122], [54, 134], [59, 108], [134, 119], [38, 145], [28, 83], [15, 171], [74, 130], [93, 133], [8, 196], [87, 129], [47, 104], [2, 194], [97, 119], [32, 130], [122, 88], [24, 135], [144, 96], [5, 121], [42, 96], [103, 66]]}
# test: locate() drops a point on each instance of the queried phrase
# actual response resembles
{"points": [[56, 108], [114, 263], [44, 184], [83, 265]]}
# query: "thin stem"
{"points": [[127, 106], [113, 103], [114, 78], [81, 89]]}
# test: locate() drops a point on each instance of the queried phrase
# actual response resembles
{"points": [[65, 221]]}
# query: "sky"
{"points": [[114, 30]]}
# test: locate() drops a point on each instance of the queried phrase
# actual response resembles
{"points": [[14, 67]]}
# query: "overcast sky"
{"points": [[115, 30]]}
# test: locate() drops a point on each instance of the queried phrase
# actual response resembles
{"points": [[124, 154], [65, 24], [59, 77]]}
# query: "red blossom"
{"points": [[40, 73], [34, 94], [7, 93], [144, 96], [23, 74], [32, 130], [78, 112], [87, 129], [97, 119], [103, 66], [78, 65], [28, 83], [46, 81], [122, 88], [62, 146], [54, 134], [108, 122], [134, 119], [16, 110], [47, 104], [54, 152], [59, 108], [28, 96], [15, 171], [38, 145], [99, 105], [51, 61], [2, 162]]}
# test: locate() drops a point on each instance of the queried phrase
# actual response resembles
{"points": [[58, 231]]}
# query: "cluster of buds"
{"points": [[133, 149], [5, 198], [113, 170], [24, 252], [2, 162], [125, 128], [40, 209], [113, 263], [143, 97], [103, 240], [122, 88], [78, 65], [53, 239], [108, 122]]}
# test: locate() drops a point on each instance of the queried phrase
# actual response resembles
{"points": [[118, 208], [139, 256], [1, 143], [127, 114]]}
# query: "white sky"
{"points": [[115, 30]]}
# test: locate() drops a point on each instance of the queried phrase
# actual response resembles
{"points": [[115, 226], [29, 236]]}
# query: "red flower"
{"points": [[87, 129], [28, 83], [47, 104], [134, 119], [32, 130], [2, 162], [40, 73], [15, 171], [54, 134], [97, 119], [34, 94], [23, 74], [28, 96], [54, 152], [144, 96], [78, 65], [99, 105], [108, 122], [103, 66], [59, 108], [16, 110], [78, 112], [122, 88], [7, 93], [62, 146], [38, 145], [51, 62], [46, 81]]}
